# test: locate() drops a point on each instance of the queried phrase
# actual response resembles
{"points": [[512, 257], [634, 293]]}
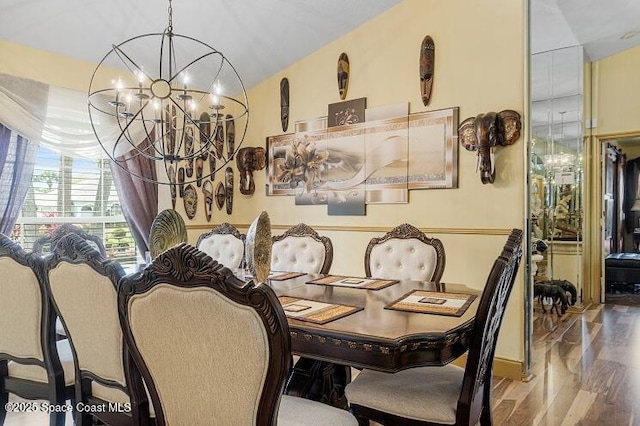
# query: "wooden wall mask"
{"points": [[427, 66], [484, 133], [284, 103], [343, 75], [248, 160]]}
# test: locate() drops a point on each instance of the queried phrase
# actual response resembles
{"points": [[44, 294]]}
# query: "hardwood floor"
{"points": [[586, 371]]}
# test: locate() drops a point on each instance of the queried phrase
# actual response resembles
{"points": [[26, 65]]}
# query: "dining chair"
{"points": [[33, 365], [82, 286], [301, 249], [45, 243], [405, 253], [213, 349], [448, 395], [225, 244]]}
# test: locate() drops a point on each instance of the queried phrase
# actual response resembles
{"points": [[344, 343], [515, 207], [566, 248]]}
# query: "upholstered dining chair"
{"points": [[82, 286], [45, 243], [448, 395], [225, 244], [405, 252], [301, 249], [33, 365], [212, 349]]}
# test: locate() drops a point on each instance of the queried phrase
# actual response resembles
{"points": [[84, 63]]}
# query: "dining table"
{"points": [[373, 334]]}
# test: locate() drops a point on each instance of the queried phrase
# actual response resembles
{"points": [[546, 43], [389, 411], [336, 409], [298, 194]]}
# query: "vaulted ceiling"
{"points": [[259, 37]]}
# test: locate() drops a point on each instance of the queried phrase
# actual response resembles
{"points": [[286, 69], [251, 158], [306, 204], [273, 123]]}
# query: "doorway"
{"points": [[620, 197]]}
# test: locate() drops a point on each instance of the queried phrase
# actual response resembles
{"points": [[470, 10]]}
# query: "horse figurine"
{"points": [[553, 291]]}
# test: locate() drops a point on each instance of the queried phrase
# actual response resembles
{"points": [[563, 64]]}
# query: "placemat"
{"points": [[312, 311], [286, 276], [353, 282], [432, 302]]}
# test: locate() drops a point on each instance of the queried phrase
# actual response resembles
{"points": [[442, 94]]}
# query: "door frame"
{"points": [[594, 251]]}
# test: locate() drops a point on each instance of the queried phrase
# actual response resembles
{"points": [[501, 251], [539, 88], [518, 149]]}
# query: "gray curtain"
{"points": [[17, 159], [139, 199]]}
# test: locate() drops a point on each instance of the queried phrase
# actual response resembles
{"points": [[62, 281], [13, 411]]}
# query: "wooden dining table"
{"points": [[373, 337]]}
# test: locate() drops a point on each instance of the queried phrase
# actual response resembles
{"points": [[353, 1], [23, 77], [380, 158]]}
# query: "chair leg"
{"points": [[362, 421], [486, 418], [4, 399], [56, 419]]}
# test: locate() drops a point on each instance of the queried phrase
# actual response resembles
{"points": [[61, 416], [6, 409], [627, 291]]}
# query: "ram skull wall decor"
{"points": [[484, 133]]}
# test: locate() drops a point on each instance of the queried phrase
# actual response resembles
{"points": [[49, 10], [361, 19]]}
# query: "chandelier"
{"points": [[170, 100]]}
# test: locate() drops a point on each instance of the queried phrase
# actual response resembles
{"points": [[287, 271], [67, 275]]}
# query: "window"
{"points": [[78, 191]]}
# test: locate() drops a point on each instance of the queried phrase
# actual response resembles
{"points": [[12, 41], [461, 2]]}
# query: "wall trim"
{"points": [[378, 229], [503, 367]]}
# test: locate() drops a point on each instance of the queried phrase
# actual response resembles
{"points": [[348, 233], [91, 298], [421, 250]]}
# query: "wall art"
{"points": [[484, 132], [383, 157], [284, 103], [343, 75], [427, 67]]}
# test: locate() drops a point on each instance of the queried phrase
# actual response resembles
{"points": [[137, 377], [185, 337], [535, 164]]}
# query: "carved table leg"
{"points": [[319, 381]]}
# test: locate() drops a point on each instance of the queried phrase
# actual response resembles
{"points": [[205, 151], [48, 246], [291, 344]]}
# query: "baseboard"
{"points": [[507, 368]]}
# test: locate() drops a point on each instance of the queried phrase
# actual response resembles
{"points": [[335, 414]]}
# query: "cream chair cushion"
{"points": [[87, 302], [227, 249], [36, 373], [20, 310], [297, 254], [400, 393], [208, 333], [403, 259], [296, 411]]}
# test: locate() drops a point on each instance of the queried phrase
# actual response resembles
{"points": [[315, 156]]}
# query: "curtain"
{"points": [[17, 158], [139, 199], [58, 118]]}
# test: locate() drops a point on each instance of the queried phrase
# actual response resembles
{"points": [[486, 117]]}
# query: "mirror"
{"points": [[556, 166]]}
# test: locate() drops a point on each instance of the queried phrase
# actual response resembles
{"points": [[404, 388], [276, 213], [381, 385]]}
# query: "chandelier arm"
{"points": [[198, 59], [122, 56], [124, 132], [179, 145], [149, 137]]}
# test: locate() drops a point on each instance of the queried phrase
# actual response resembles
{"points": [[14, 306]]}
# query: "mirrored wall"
{"points": [[556, 165]]}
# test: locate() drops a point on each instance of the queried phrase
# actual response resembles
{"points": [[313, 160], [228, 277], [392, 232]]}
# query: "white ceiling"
{"points": [[262, 37], [597, 25], [259, 37]]}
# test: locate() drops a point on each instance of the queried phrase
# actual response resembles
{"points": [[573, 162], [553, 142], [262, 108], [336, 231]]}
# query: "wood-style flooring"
{"points": [[586, 371]]}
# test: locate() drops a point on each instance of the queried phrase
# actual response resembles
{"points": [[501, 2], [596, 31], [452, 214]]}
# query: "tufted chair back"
{"points": [[406, 253], [301, 249], [225, 244]]}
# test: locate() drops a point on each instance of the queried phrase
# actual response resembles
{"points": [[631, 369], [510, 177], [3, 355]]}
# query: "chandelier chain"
{"points": [[170, 11]]}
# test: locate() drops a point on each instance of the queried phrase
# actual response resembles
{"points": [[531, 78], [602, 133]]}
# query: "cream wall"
{"points": [[617, 90], [480, 67], [480, 59]]}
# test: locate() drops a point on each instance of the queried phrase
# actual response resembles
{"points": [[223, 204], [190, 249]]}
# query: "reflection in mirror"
{"points": [[556, 166]]}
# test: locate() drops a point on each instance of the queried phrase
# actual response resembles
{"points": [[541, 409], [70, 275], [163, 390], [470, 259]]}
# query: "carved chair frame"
{"points": [[304, 230], [474, 403], [185, 266], [73, 249], [407, 231], [54, 390], [222, 229], [62, 230]]}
